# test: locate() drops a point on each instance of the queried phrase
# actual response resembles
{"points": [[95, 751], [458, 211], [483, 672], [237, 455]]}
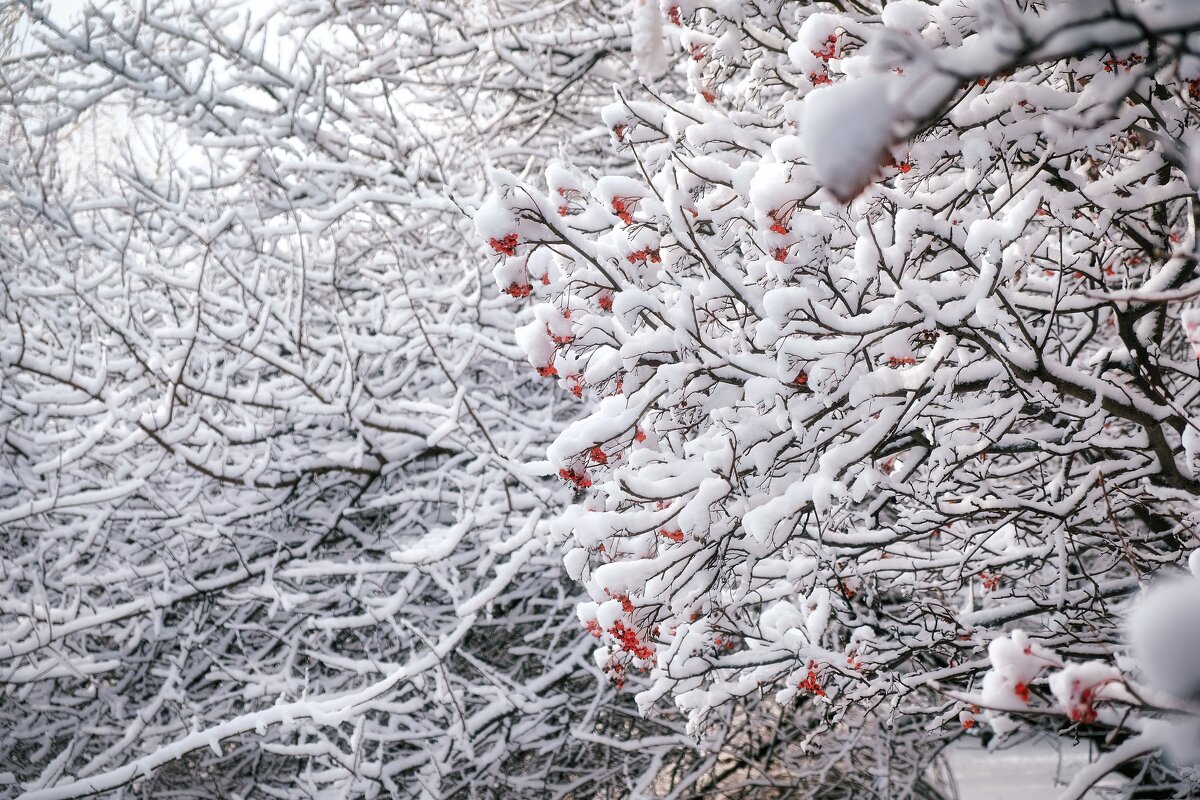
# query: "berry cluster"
{"points": [[629, 641], [579, 479], [810, 684], [1114, 64], [650, 253], [506, 246], [828, 50], [624, 207], [1084, 710]]}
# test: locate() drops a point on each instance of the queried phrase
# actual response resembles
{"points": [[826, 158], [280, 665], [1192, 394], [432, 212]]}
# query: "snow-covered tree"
{"points": [[885, 352], [267, 531], [872, 318]]}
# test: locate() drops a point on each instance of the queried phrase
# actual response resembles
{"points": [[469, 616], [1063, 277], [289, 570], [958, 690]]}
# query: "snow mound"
{"points": [[1164, 631], [845, 134]]}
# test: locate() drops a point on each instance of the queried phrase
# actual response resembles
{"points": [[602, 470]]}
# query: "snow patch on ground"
{"points": [[1032, 770]]}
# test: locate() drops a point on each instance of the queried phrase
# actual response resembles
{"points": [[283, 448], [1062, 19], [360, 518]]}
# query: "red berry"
{"points": [[505, 246], [622, 207]]}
